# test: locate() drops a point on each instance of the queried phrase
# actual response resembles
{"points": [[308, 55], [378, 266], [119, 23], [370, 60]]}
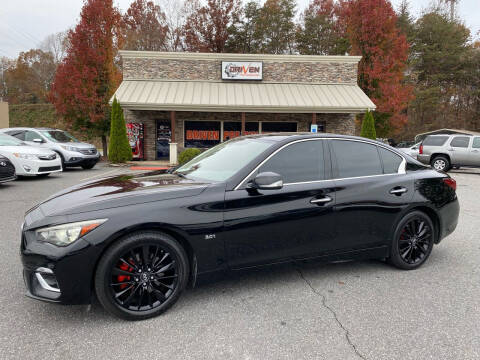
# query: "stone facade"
{"points": [[207, 67], [273, 71], [333, 123]]}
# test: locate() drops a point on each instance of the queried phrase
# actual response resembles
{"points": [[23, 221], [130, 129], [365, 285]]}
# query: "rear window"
{"points": [[356, 158], [391, 161], [435, 140], [460, 141]]}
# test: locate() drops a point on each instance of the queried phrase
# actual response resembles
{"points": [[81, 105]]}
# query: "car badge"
{"points": [[3, 163]]}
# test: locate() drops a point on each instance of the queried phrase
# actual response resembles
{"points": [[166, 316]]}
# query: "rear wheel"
{"points": [[142, 275], [413, 241], [440, 163]]}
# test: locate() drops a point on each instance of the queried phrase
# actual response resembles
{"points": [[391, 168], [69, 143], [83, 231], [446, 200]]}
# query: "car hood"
{"points": [[79, 145], [24, 149], [119, 191]]}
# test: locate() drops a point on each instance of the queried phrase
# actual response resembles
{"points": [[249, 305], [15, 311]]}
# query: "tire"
{"points": [[88, 167], [129, 287], [407, 236], [440, 163]]}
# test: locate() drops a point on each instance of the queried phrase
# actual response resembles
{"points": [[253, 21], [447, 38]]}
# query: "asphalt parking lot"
{"points": [[358, 310]]}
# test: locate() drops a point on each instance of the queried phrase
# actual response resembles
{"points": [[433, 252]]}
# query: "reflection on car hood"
{"points": [[121, 190], [24, 149]]}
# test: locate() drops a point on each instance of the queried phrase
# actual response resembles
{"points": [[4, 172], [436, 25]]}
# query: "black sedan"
{"points": [[7, 170], [136, 242]]}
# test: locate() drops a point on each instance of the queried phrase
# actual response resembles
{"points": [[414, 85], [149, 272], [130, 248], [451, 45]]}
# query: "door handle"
{"points": [[324, 200], [398, 191]]}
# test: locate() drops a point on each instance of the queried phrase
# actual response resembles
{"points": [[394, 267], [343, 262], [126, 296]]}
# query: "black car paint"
{"points": [[224, 228], [7, 170]]}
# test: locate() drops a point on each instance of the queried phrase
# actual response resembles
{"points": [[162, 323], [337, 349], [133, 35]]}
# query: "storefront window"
{"points": [[233, 129], [202, 134], [269, 127]]}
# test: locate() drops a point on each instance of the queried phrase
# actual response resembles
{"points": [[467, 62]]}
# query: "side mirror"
{"points": [[37, 140], [267, 181]]}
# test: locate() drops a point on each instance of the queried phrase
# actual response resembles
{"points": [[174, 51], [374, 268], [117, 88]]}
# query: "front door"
{"points": [[268, 226], [372, 188], [164, 134], [474, 152]]}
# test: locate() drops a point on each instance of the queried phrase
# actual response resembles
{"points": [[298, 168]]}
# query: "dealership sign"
{"points": [[242, 70]]}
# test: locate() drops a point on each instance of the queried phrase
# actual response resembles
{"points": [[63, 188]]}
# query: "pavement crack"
{"points": [[326, 306]]}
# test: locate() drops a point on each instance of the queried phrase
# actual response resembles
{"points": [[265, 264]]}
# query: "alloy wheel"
{"points": [[144, 277], [415, 240], [439, 164]]}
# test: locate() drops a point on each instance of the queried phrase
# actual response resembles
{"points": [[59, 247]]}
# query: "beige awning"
{"points": [[242, 96]]}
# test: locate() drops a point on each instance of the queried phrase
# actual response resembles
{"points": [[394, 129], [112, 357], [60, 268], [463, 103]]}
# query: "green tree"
{"points": [[242, 32], [275, 30], [319, 32], [368, 127], [119, 149]]}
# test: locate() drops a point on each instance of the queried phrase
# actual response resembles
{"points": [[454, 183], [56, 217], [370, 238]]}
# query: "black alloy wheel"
{"points": [[142, 275], [413, 241]]}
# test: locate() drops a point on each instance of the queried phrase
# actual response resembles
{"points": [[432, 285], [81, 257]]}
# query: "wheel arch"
{"points": [[432, 215], [159, 227], [434, 155]]}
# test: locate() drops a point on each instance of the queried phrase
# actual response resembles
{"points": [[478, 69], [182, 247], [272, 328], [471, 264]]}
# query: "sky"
{"points": [[25, 23]]}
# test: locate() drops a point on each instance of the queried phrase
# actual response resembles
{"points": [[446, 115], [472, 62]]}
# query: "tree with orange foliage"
{"points": [[371, 28], [145, 27], [87, 77], [206, 28]]}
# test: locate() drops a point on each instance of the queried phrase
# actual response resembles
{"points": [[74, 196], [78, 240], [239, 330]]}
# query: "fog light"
{"points": [[27, 168]]}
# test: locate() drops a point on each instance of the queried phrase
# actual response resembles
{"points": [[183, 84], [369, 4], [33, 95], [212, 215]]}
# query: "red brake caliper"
{"points": [[122, 278]]}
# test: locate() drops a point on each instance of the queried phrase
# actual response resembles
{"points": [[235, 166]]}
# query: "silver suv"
{"points": [[71, 151], [443, 152]]}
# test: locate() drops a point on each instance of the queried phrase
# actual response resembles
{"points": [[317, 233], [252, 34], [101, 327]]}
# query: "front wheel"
{"points": [[413, 241], [142, 275]]}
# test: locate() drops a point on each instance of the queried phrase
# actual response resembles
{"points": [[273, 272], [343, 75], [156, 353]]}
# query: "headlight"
{"points": [[26, 156], [69, 148], [63, 235]]}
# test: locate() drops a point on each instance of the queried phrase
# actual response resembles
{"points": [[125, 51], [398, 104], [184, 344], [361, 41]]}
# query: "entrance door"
{"points": [[164, 134]]}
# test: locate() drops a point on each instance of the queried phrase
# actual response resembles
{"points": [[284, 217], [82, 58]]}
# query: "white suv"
{"points": [[72, 152], [443, 152]]}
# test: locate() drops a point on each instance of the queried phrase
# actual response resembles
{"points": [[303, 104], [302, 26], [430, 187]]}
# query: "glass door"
{"points": [[164, 134]]}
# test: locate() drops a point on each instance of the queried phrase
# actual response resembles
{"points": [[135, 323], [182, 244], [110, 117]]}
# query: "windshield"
{"points": [[7, 140], [224, 160], [58, 136]]}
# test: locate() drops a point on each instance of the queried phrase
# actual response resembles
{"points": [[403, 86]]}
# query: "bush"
{"points": [[119, 149], [187, 155], [368, 127]]}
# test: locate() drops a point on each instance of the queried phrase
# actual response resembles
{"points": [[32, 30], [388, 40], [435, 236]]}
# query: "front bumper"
{"points": [[58, 274], [79, 160], [26, 167], [5, 179]]}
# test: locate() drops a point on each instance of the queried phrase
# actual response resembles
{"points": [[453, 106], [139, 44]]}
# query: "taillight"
{"points": [[420, 149], [450, 182]]}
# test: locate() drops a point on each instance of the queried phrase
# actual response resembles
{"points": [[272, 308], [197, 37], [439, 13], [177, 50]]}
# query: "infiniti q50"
{"points": [[137, 241]]}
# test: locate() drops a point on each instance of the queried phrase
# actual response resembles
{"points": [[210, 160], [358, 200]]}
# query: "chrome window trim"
{"points": [[401, 168]]}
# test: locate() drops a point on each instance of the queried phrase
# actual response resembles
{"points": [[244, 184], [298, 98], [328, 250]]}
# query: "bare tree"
{"points": [[176, 13], [55, 44]]}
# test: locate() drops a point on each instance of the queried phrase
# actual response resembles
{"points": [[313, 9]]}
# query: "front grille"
{"points": [[47, 157], [88, 151], [7, 169], [48, 168]]}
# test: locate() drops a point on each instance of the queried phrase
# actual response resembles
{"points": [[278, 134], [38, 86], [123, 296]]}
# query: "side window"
{"points": [[356, 158], [390, 160], [299, 162], [460, 142], [30, 135], [476, 143], [20, 135], [435, 140]]}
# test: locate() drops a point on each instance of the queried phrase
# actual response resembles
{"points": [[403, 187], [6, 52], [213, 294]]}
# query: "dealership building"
{"points": [[182, 100]]}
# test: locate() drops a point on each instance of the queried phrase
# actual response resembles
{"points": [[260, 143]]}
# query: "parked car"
{"points": [[138, 240], [29, 160], [443, 152], [71, 151], [7, 170], [410, 149]]}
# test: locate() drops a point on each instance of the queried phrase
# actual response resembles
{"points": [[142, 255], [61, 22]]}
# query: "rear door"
{"points": [[371, 189], [296, 221], [474, 152], [459, 150]]}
